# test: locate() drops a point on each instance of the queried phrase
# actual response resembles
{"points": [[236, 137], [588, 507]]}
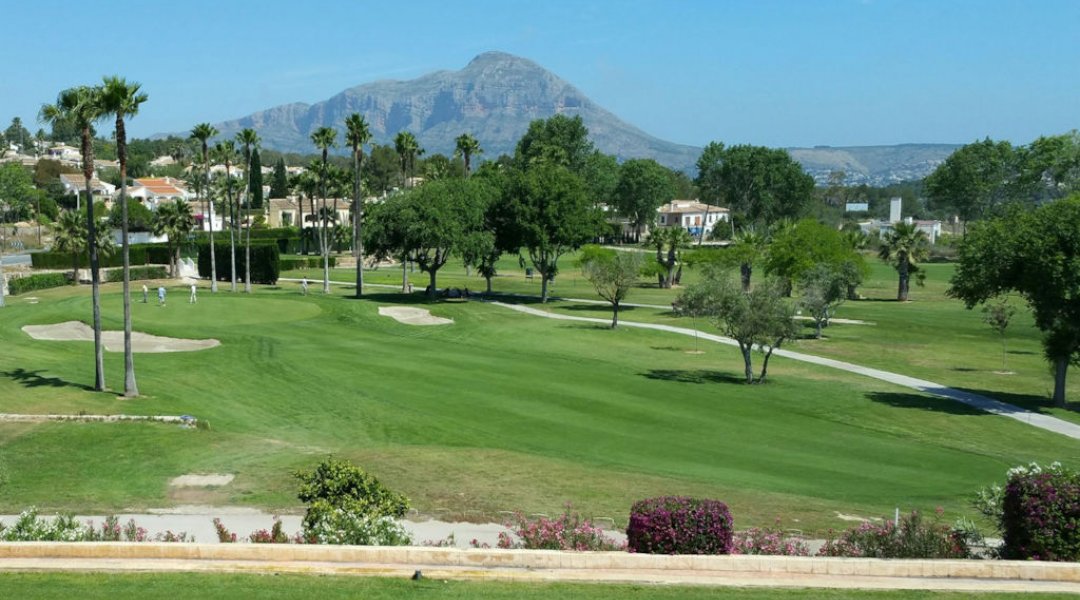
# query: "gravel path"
{"points": [[989, 405]]}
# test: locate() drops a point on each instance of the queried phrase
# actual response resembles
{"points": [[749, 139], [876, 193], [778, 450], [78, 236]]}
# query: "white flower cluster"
{"points": [[1034, 469]]}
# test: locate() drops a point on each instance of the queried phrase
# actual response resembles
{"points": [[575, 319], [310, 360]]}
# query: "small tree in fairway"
{"points": [[612, 273]]}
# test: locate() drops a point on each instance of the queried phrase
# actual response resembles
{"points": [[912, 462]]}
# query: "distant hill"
{"points": [[874, 165], [496, 96]]}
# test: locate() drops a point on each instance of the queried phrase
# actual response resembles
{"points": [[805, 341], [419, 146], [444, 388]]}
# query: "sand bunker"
{"points": [[114, 340], [411, 315], [204, 480]]}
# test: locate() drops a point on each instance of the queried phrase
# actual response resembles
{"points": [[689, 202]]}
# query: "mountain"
{"points": [[494, 98]]}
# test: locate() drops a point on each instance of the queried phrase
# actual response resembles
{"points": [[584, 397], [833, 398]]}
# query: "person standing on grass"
{"points": [[161, 295], [194, 297], [145, 294], [303, 286]]}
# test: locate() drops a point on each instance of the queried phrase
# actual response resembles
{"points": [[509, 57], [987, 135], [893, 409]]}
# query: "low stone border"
{"points": [[547, 565], [17, 418]]}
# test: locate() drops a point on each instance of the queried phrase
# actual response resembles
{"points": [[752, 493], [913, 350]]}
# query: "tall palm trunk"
{"points": [[905, 278], [404, 273], [210, 202], [358, 219], [91, 244], [247, 238], [131, 389], [746, 271], [232, 226], [325, 242], [3, 282]]}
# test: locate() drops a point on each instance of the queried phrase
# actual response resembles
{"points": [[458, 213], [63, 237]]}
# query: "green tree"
{"points": [[748, 248], [612, 273], [324, 139], [16, 133], [174, 220], [466, 146], [346, 505], [998, 315], [644, 186], [82, 105], [357, 133], [601, 175], [17, 190], [822, 290], [255, 188], [69, 235], [202, 133], [904, 248], [279, 182], [761, 184], [407, 149], [1050, 166], [760, 318], [1037, 255], [122, 100], [551, 215], [559, 140], [250, 141], [975, 180], [798, 248], [669, 243], [382, 169]]}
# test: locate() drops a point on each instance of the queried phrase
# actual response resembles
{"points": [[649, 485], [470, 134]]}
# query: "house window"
{"points": [[286, 219], [663, 220]]}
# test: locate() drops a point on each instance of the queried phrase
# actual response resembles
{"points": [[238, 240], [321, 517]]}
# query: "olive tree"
{"points": [[612, 273]]}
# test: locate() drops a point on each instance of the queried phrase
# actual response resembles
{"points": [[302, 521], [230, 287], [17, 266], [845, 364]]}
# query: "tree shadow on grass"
{"points": [[393, 298], [597, 307], [1032, 402], [694, 376], [927, 403], [34, 379]]}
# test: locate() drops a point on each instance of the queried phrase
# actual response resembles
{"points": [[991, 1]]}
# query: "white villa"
{"points": [[696, 217]]}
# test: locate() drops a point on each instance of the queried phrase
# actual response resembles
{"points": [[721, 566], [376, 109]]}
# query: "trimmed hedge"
{"points": [[679, 525], [141, 254], [152, 272], [41, 281], [1040, 513], [265, 262], [305, 262]]}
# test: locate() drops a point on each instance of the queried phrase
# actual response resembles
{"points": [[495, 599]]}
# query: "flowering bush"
{"points": [[912, 538], [769, 541], [65, 528], [346, 505], [224, 536], [1040, 514], [274, 536], [679, 525], [567, 532]]}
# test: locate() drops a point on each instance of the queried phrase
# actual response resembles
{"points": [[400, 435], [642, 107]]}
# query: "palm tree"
{"points": [[905, 247], [673, 240], [69, 235], [466, 147], [324, 138], [748, 245], [122, 99], [203, 132], [249, 139], [82, 106], [356, 135], [407, 149], [225, 152], [174, 220]]}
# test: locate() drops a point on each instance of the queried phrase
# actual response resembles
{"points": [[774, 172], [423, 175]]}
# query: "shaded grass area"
{"points": [[200, 585], [498, 412]]}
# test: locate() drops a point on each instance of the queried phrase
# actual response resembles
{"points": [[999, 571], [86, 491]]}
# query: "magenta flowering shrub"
{"points": [[1040, 518], [275, 536], [912, 538], [569, 531], [679, 525], [771, 541]]}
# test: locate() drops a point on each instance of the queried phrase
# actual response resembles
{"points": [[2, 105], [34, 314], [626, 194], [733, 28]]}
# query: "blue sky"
{"points": [[771, 72]]}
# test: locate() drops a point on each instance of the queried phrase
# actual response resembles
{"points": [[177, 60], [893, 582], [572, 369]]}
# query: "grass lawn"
{"points": [[198, 585], [498, 412]]}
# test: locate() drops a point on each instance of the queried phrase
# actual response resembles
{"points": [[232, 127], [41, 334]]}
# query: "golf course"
{"points": [[500, 411]]}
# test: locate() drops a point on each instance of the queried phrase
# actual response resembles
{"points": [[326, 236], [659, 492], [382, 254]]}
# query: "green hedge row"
{"points": [[305, 262], [141, 254], [41, 281], [153, 272], [265, 262]]}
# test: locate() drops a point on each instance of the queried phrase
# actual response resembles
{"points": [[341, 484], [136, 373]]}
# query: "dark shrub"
{"points": [[1041, 513], [913, 538], [115, 275], [679, 525], [265, 266], [41, 281], [63, 260]]}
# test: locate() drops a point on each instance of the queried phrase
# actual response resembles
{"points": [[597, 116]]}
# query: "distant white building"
{"points": [[152, 191], [692, 215], [75, 185], [932, 229]]}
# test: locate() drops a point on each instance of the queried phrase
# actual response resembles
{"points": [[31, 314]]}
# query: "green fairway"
{"points": [[199, 585], [498, 412]]}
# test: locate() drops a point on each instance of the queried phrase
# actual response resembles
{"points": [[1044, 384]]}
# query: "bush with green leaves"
{"points": [[137, 273], [29, 527], [912, 537], [1040, 514], [265, 265], [346, 505], [41, 281]]}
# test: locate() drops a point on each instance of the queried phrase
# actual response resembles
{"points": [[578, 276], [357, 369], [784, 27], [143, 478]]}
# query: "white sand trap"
{"points": [[114, 340], [410, 315], [204, 480]]}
